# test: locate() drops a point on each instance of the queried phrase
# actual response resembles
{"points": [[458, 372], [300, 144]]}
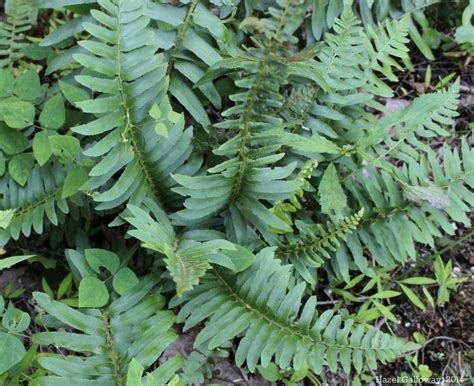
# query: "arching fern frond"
{"points": [[129, 76], [106, 341], [265, 307]]}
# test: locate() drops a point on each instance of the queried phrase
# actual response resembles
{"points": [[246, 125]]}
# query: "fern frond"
{"points": [[104, 342], [425, 117], [265, 306], [385, 45], [186, 258], [351, 61], [315, 244], [31, 205], [342, 56], [239, 186], [129, 76], [192, 43], [20, 15], [325, 12], [411, 204]]}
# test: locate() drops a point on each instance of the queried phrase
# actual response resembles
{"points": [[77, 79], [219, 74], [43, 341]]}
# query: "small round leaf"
{"points": [[92, 293]]}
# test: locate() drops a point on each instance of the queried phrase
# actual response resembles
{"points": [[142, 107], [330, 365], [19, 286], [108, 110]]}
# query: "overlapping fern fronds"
{"points": [[249, 168], [104, 343]]}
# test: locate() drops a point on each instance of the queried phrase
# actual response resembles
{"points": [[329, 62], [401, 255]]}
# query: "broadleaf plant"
{"points": [[219, 167]]}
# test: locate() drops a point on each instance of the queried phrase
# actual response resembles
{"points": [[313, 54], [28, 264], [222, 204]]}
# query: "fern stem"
{"points": [[111, 350], [136, 143], [130, 131], [279, 325], [179, 38], [250, 104], [20, 211]]}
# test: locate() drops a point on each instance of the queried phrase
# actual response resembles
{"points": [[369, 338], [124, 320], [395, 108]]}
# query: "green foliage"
{"points": [[187, 256], [14, 322], [266, 306], [464, 33], [325, 15], [129, 76], [238, 155], [108, 335]]}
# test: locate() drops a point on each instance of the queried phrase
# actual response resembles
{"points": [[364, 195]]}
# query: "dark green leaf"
{"points": [[20, 167], [53, 115]]}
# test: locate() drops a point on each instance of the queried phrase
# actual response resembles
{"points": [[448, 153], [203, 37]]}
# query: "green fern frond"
{"points": [[239, 184], [415, 204], [386, 43], [31, 205], [350, 61], [284, 209], [265, 307], [186, 259], [20, 15], [425, 117], [316, 243], [105, 341], [325, 13], [192, 43], [129, 76]]}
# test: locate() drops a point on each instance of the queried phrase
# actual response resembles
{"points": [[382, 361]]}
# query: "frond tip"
{"points": [[187, 256]]}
